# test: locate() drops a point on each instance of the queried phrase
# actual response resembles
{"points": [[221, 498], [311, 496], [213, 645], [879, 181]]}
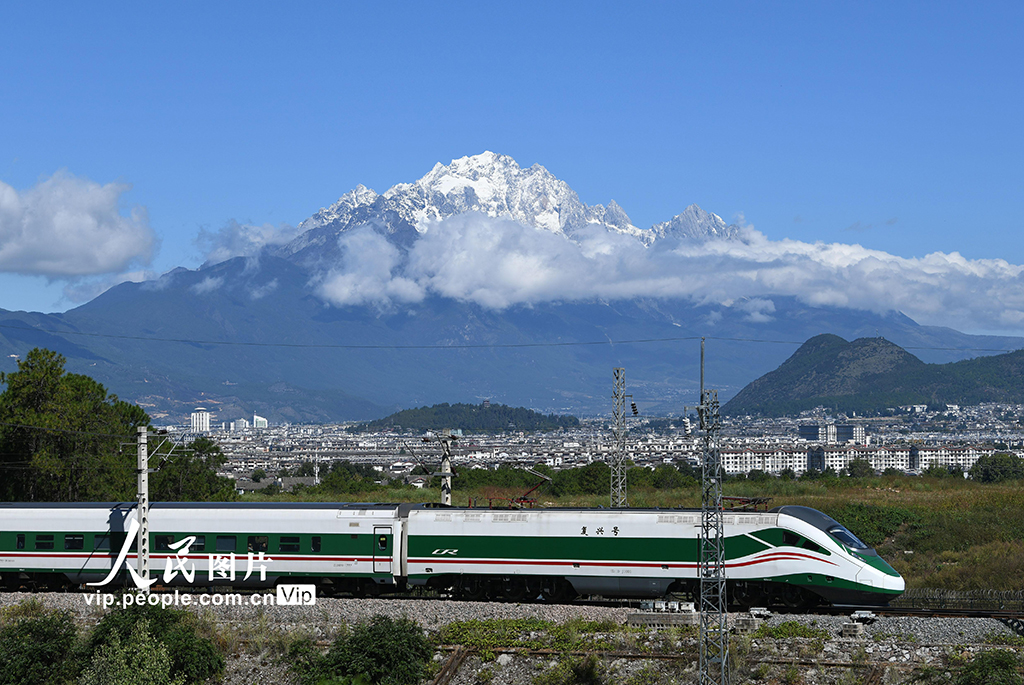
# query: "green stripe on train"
{"points": [[582, 548]]}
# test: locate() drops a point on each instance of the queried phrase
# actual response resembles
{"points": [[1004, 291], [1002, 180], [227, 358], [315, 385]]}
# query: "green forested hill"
{"points": [[471, 418], [871, 374]]}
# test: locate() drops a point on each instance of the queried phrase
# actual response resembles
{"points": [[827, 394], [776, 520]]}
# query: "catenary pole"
{"points": [[714, 632], [618, 461], [142, 511]]}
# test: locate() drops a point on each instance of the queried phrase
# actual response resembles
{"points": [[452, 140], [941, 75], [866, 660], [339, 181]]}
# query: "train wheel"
{"points": [[558, 591], [795, 597], [12, 582], [746, 595], [514, 589], [364, 587], [473, 589], [534, 589]]}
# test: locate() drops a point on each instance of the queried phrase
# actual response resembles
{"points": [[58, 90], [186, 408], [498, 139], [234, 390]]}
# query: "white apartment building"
{"points": [[200, 420], [838, 457]]}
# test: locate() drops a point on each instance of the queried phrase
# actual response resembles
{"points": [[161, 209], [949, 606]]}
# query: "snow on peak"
{"points": [[693, 223], [493, 184]]}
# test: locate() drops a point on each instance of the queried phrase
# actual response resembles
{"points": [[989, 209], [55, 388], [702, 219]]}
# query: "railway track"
{"points": [[1004, 606]]}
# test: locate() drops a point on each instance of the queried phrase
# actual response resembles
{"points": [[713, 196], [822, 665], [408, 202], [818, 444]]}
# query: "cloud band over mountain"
{"points": [[497, 263]]}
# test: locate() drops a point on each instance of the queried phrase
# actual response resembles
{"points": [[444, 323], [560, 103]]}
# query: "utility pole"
{"points": [[446, 439], [714, 629], [618, 460], [142, 511], [446, 468]]}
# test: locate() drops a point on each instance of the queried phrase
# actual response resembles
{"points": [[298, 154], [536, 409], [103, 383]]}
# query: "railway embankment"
{"points": [[478, 643]]}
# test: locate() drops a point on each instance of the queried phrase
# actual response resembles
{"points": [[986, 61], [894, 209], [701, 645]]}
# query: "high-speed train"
{"points": [[792, 555]]}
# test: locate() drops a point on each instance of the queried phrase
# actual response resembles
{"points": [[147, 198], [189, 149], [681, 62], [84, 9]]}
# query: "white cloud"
{"points": [[261, 291], [208, 284], [365, 275], [66, 227], [497, 263], [241, 240]]}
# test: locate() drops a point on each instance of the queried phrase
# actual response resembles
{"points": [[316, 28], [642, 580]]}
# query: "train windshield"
{"points": [[836, 530], [846, 537]]}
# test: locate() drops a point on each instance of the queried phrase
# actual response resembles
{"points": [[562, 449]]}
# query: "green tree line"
{"points": [[64, 438], [471, 418]]}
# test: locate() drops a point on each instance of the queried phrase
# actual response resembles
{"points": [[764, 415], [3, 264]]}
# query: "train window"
{"points": [[258, 543], [382, 542], [790, 538], [101, 543], [117, 540], [289, 543], [21, 541], [812, 546], [315, 543], [199, 545], [846, 537], [74, 542], [225, 543], [163, 542], [44, 542]]}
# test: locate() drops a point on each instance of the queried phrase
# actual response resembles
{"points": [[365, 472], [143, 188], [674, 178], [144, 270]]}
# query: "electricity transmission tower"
{"points": [[618, 461], [714, 630]]}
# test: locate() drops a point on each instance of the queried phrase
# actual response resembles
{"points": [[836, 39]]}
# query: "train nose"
{"points": [[894, 583]]}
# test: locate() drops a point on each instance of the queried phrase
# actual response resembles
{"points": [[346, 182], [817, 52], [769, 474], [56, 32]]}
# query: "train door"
{"points": [[383, 543]]}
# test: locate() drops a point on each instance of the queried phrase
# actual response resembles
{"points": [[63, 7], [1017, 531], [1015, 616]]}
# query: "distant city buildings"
{"points": [[954, 438], [200, 420], [830, 433], [854, 434], [259, 421], [818, 432]]}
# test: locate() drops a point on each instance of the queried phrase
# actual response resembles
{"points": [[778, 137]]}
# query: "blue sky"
{"points": [[893, 127]]}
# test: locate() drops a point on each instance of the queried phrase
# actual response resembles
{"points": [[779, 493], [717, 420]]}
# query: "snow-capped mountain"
{"points": [[494, 185], [692, 224]]}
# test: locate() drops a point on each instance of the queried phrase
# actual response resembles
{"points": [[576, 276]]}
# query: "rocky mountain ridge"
{"points": [[494, 185]]}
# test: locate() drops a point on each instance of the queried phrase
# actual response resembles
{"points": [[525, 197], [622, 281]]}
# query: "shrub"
{"points": [[994, 667], [39, 649], [994, 468], [791, 629], [573, 671], [32, 607], [386, 651], [137, 660], [193, 658], [873, 523], [381, 651]]}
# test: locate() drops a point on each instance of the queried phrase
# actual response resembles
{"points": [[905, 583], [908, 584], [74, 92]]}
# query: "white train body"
{"points": [[793, 555]]}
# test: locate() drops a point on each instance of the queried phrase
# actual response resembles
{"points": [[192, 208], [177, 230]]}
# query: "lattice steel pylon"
{"points": [[714, 629], [618, 460]]}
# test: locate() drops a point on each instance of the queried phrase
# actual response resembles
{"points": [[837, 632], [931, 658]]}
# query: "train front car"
{"points": [[837, 566]]}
